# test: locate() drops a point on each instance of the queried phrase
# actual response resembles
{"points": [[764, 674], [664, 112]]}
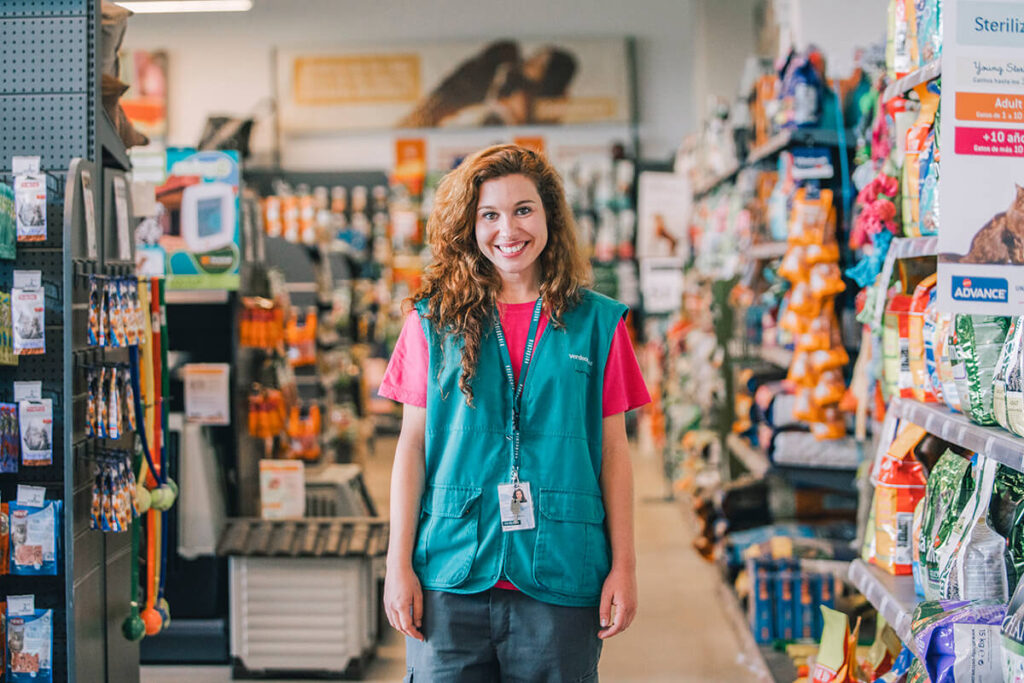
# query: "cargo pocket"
{"points": [[447, 542], [571, 554]]}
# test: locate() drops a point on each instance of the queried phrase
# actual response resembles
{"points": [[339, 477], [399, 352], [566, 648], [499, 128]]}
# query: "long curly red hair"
{"points": [[461, 285]]}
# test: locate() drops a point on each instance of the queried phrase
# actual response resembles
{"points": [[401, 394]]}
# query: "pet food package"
{"points": [[35, 420], [1006, 516], [915, 141], [883, 652], [944, 360], [959, 640], [921, 384], [10, 438], [1009, 354], [761, 618], [5, 540], [929, 30], [899, 486], [979, 343], [30, 648], [971, 558], [8, 222], [930, 170], [896, 348], [836, 659], [30, 207], [948, 491], [34, 538], [1014, 384], [809, 217], [1012, 636], [28, 318]]}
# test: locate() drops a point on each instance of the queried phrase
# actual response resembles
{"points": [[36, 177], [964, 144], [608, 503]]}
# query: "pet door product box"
{"points": [[194, 238]]}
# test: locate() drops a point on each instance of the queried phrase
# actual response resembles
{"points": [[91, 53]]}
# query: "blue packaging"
{"points": [[784, 605], [35, 539], [761, 618], [30, 648], [826, 589], [805, 612]]}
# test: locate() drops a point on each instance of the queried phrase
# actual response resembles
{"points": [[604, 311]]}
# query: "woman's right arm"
{"points": [[403, 596]]}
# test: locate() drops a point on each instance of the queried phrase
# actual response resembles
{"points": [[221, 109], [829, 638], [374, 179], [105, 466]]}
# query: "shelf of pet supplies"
{"points": [[752, 655], [113, 147], [704, 188], [914, 247], [754, 459], [802, 449], [928, 72], [767, 250], [892, 596], [994, 442]]}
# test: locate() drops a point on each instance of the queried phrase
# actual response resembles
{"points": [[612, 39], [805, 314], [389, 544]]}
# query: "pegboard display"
{"points": [[61, 67], [64, 118], [37, 8]]}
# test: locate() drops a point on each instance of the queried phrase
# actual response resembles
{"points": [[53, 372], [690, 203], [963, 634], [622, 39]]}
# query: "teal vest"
{"points": [[460, 547]]}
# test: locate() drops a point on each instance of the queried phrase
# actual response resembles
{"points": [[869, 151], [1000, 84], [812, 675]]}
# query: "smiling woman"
{"points": [[512, 231]]}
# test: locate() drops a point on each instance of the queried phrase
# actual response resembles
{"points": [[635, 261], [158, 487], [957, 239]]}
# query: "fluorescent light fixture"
{"points": [[167, 6]]}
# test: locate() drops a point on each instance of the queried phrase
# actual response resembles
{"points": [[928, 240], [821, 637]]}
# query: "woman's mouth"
{"points": [[512, 248]]}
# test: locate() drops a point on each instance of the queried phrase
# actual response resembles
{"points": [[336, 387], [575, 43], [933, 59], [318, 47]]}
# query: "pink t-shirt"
{"points": [[405, 380]]}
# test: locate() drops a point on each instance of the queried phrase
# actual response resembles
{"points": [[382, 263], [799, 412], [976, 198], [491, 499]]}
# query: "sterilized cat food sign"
{"points": [[981, 186]]}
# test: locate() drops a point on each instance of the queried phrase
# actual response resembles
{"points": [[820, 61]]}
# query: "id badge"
{"points": [[516, 506]]}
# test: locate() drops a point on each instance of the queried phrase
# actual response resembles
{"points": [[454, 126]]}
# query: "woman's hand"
{"points": [[403, 601], [619, 591]]}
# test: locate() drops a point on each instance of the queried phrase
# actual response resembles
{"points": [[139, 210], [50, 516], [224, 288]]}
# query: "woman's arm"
{"points": [[617, 489], [403, 596]]}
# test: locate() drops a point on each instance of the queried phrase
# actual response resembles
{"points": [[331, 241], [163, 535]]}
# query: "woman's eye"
{"points": [[523, 211], [490, 216]]}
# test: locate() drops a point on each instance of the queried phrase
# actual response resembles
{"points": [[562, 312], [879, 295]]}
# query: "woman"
{"points": [[515, 379]]}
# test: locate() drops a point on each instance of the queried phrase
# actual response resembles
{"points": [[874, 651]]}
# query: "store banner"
{"points": [[981, 187], [469, 84]]}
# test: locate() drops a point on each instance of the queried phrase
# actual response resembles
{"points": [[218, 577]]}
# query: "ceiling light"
{"points": [[167, 6]]}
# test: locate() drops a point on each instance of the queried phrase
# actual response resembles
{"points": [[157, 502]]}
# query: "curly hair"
{"points": [[461, 285]]}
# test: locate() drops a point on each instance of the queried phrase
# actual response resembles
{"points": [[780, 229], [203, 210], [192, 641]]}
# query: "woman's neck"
{"points": [[518, 292]]}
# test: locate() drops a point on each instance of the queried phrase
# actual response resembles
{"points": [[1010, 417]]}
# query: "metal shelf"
{"points": [[892, 596], [928, 72], [993, 442], [112, 144], [754, 459], [776, 355], [914, 247], [704, 189], [767, 250]]}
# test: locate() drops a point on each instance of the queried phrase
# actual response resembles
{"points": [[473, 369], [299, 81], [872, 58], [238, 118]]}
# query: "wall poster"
{"points": [[470, 84], [981, 186]]}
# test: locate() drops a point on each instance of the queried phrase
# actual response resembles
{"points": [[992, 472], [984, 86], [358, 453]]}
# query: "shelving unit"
{"points": [[767, 250], [928, 72], [994, 442], [754, 459], [892, 596]]}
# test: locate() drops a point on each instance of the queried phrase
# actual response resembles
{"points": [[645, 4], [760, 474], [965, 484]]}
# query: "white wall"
{"points": [[838, 27], [221, 63], [726, 39]]}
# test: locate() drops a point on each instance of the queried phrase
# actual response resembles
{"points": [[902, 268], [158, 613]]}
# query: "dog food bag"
{"points": [[959, 640], [883, 652], [896, 347], [34, 539], [35, 420], [1006, 516], [948, 490], [921, 384], [979, 343], [971, 557], [1008, 355], [836, 659], [900, 485], [30, 648], [1014, 383]]}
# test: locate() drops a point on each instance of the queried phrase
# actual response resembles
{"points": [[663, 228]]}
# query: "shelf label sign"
{"points": [[981, 187]]}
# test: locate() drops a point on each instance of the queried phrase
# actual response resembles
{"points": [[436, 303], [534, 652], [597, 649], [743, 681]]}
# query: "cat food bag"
{"points": [[30, 648], [34, 538], [35, 420], [971, 558], [837, 652], [951, 369], [948, 490], [958, 640], [899, 486], [30, 207], [979, 343], [1009, 354], [921, 384], [896, 348], [28, 318], [915, 142], [1006, 516], [1014, 384], [928, 334]]}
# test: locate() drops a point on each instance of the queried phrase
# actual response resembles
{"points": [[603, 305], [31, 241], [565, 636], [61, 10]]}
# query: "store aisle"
{"points": [[680, 635]]}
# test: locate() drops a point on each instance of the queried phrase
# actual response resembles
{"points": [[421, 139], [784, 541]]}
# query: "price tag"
{"points": [[124, 243], [28, 279], [24, 165], [92, 250], [31, 496], [24, 391], [21, 605]]}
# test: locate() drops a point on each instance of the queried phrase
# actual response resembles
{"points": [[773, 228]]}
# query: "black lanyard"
{"points": [[517, 390]]}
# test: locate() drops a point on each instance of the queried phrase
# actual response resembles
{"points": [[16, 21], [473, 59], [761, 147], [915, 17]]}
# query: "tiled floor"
{"points": [[680, 634]]}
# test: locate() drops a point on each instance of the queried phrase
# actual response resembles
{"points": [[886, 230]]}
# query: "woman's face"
{"points": [[511, 227]]}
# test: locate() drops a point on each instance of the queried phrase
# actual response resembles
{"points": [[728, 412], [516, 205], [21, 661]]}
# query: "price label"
{"points": [[31, 496], [24, 391], [28, 279], [21, 605]]}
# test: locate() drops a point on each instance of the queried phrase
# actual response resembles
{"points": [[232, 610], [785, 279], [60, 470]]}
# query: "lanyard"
{"points": [[517, 390]]}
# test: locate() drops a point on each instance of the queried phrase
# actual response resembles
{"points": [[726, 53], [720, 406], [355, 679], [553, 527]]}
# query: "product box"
{"points": [[805, 611], [784, 604], [194, 238], [762, 622]]}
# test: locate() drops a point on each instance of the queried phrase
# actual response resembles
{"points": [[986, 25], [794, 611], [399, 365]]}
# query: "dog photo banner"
{"points": [[981, 186], [455, 85]]}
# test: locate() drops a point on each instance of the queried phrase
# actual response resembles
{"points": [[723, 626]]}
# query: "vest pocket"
{"points": [[447, 541], [571, 554]]}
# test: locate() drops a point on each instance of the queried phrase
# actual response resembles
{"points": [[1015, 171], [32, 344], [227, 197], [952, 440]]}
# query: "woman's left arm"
{"points": [[617, 489]]}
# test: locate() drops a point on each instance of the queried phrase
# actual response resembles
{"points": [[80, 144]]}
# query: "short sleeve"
{"points": [[405, 379], [624, 386]]}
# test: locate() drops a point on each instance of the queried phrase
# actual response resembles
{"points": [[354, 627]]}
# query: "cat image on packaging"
{"points": [[1000, 240]]}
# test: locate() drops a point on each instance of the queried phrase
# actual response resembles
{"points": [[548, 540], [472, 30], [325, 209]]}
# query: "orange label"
{"points": [[977, 106]]}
